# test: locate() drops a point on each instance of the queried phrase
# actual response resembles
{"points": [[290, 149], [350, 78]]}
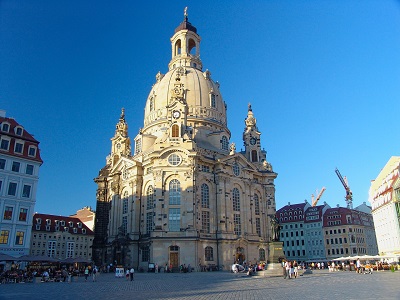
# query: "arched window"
{"points": [[236, 199], [224, 143], [175, 130], [254, 156], [209, 253], [178, 47], [192, 47], [205, 197], [174, 192], [261, 254], [256, 205], [150, 197]]}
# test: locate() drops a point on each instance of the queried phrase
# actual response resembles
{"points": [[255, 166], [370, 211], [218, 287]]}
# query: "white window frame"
{"points": [[29, 151], [19, 142], [2, 126], [16, 189], [5, 138], [16, 130], [28, 166], [23, 191]]}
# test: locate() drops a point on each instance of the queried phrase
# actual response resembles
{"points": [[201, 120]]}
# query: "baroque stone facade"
{"points": [[185, 195]]}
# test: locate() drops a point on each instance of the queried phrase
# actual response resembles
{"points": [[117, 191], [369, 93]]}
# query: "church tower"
{"points": [[252, 141], [185, 196]]}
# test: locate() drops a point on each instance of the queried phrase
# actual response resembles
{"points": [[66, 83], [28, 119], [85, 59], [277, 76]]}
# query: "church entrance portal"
{"points": [[240, 257], [174, 256]]}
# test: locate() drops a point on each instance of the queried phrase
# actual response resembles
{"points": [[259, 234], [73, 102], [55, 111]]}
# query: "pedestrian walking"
{"points": [[94, 273], [131, 273], [127, 274], [86, 273]]}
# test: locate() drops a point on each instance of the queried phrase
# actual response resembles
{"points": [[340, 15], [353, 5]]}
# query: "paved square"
{"points": [[215, 285]]}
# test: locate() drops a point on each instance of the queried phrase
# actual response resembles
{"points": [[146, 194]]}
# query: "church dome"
{"points": [[186, 93], [201, 95]]}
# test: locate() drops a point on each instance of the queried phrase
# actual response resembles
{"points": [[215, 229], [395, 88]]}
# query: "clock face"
{"points": [[176, 114], [253, 141]]}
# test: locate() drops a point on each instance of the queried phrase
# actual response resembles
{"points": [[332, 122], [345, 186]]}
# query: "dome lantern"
{"points": [[185, 45]]}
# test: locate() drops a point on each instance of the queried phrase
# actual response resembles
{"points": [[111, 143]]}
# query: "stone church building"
{"points": [[183, 195]]}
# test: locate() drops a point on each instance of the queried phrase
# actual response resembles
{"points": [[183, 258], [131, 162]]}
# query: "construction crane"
{"points": [[349, 194], [314, 202]]}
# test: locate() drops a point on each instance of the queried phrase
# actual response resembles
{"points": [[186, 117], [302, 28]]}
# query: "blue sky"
{"points": [[323, 78]]}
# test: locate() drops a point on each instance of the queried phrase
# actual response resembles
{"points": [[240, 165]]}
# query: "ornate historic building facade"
{"points": [[184, 196]]}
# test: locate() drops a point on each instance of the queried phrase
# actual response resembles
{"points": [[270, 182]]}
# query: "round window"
{"points": [[236, 169], [174, 159]]}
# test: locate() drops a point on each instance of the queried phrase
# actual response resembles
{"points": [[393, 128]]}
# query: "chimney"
{"points": [[2, 113]]}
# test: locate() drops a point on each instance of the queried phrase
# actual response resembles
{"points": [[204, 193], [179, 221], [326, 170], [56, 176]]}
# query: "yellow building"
{"points": [[185, 196], [384, 196]]}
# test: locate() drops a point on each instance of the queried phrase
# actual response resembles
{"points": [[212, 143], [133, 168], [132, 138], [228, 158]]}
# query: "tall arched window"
{"points": [[192, 47], [175, 130], [256, 205], [205, 197], [178, 47], [224, 143], [125, 203], [236, 199], [254, 156], [150, 197], [174, 192]]}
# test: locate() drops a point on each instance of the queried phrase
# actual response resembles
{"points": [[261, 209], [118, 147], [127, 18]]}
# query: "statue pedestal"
{"points": [[274, 266]]}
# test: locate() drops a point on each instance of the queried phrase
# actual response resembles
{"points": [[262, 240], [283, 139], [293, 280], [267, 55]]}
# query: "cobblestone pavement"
{"points": [[215, 285]]}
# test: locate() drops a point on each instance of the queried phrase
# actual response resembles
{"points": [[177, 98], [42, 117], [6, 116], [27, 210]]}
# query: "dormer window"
{"points": [[48, 221], [224, 143], [19, 147], [66, 229], [83, 231], [79, 225], [38, 220], [48, 228], [151, 104], [5, 143], [32, 151], [62, 223], [212, 100], [5, 127], [57, 228], [75, 230], [18, 131], [56, 222], [37, 226], [71, 224]]}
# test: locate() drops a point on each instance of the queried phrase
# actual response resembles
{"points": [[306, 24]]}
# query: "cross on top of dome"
{"points": [[185, 24]]}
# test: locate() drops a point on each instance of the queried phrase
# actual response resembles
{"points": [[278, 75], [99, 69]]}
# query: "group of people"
{"points": [[291, 269], [129, 274]]}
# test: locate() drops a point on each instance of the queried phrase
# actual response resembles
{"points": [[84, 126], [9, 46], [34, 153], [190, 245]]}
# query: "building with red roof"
{"points": [[61, 237], [19, 176]]}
